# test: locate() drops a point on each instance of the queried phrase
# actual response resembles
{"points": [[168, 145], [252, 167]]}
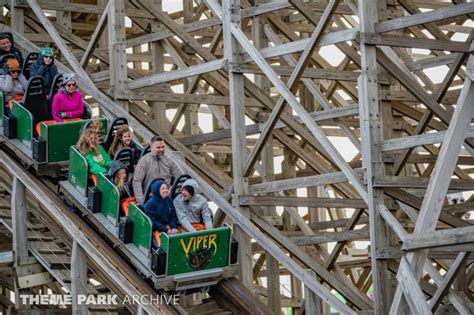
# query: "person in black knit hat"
{"points": [[192, 209]]}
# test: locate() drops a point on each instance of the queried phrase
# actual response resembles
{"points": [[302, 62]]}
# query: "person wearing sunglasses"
{"points": [[45, 68], [67, 103], [13, 83]]}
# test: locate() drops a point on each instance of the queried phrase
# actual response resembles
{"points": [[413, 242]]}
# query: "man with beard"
{"points": [[155, 164]]}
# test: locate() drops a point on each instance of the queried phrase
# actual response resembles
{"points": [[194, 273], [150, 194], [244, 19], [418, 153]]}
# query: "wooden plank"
{"points": [[411, 289], [413, 42], [371, 127], [302, 182], [423, 18], [448, 279], [177, 74], [393, 223], [78, 278], [419, 140], [456, 300], [19, 229], [256, 128], [462, 235], [420, 182], [95, 36], [287, 201], [331, 259], [34, 280], [231, 16], [328, 237], [305, 258], [292, 82]]}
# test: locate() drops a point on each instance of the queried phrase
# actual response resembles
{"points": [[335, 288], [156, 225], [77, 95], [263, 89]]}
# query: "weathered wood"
{"points": [[370, 124], [412, 91], [95, 36], [231, 17], [439, 238], [411, 42], [432, 203], [78, 278], [20, 239], [286, 201], [423, 18], [178, 74], [449, 277], [411, 289]]}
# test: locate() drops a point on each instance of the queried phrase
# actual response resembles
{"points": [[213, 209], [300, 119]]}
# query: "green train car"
{"points": [[48, 154], [183, 262]]}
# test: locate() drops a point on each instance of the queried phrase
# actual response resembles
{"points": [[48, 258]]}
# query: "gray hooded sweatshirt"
{"points": [[196, 210]]}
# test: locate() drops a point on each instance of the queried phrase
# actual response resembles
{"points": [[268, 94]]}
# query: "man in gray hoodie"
{"points": [[153, 165], [191, 208]]}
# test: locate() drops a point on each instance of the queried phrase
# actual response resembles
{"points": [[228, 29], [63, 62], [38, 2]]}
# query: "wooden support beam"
{"points": [[420, 182], [20, 239], [449, 277], [413, 42], [302, 182], [178, 74], [370, 126], [96, 36], [424, 18], [320, 271], [78, 278], [231, 17], [462, 235], [287, 201], [419, 140], [411, 289]]}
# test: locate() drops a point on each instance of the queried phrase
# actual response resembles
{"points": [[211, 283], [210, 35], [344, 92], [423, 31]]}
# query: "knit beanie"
{"points": [[189, 189], [47, 51]]}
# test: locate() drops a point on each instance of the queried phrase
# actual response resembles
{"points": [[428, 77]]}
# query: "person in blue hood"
{"points": [[161, 210], [45, 68]]}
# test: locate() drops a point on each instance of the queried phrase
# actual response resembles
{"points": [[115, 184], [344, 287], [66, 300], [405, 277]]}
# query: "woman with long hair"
{"points": [[88, 145], [123, 139]]}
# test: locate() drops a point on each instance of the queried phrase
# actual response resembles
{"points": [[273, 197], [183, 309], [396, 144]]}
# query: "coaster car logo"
{"points": [[199, 258]]}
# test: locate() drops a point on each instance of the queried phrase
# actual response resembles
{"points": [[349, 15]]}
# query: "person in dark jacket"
{"points": [[7, 46], [119, 175], [160, 209], [45, 68]]}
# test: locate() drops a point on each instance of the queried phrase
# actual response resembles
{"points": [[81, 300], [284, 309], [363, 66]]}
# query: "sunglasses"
{"points": [[47, 57], [15, 71], [71, 84]]}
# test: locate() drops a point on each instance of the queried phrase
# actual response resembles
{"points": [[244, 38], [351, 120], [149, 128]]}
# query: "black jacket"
{"points": [[48, 72], [13, 50]]}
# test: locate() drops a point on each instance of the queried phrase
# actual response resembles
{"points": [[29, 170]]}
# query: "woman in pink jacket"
{"points": [[67, 103]]}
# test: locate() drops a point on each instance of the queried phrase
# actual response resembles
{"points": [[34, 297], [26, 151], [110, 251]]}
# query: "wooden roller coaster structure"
{"points": [[331, 134]]}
